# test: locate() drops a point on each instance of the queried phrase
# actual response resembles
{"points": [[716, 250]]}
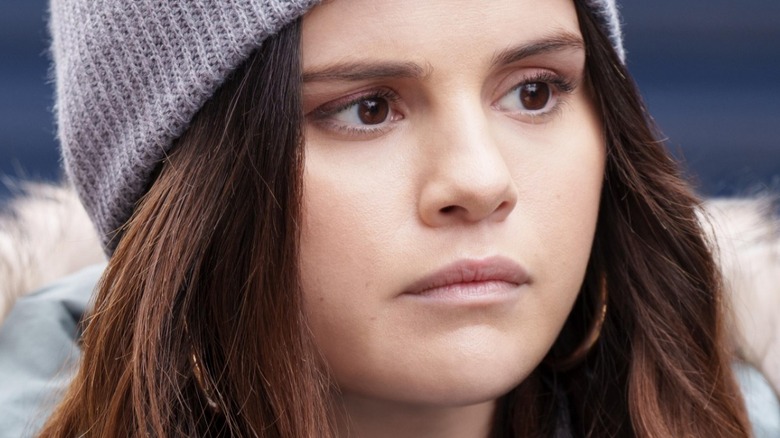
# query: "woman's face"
{"points": [[454, 162]]}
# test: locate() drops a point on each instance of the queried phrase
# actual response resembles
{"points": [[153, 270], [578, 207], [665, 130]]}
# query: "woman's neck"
{"points": [[362, 418]]}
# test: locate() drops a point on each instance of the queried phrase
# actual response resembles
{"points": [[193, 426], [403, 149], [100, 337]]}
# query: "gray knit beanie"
{"points": [[131, 74]]}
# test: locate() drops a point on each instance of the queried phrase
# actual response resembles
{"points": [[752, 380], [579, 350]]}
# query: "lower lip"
{"points": [[478, 292]]}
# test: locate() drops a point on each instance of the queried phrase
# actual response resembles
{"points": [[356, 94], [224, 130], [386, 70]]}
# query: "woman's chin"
{"points": [[472, 381]]}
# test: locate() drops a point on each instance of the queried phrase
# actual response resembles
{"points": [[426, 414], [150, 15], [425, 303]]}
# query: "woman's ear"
{"points": [[45, 234], [746, 238]]}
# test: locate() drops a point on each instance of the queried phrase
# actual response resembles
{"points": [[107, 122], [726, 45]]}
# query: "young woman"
{"points": [[439, 219]]}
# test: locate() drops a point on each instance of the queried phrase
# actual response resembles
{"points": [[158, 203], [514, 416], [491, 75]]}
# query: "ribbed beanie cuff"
{"points": [[131, 74], [606, 12]]}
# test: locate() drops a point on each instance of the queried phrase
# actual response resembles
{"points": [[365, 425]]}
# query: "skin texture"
{"points": [[458, 170]]}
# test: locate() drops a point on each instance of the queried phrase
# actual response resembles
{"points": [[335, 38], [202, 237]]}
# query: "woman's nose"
{"points": [[467, 179]]}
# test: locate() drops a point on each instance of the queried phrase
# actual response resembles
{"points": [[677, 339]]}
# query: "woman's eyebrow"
{"points": [[372, 70], [554, 43], [361, 71]]}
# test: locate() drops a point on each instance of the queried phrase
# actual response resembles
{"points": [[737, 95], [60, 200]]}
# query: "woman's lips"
{"points": [[471, 279]]}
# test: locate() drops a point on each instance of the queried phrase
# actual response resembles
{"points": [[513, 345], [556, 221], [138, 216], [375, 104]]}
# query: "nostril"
{"points": [[448, 209]]}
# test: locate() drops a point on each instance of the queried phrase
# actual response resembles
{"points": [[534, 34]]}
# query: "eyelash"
{"points": [[322, 115]]}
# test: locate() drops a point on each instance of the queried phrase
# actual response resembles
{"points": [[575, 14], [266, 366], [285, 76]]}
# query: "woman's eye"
{"points": [[538, 95], [532, 98], [359, 116], [366, 111]]}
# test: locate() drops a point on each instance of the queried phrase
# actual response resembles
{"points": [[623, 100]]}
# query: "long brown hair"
{"points": [[198, 328], [660, 367], [205, 277]]}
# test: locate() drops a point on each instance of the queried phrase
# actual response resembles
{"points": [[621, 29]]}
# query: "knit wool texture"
{"points": [[131, 74]]}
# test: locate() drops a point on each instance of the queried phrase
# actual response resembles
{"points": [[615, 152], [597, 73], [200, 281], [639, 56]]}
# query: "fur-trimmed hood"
{"points": [[45, 234], [746, 238]]}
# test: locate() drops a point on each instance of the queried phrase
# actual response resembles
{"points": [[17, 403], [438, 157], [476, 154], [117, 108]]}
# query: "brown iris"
{"points": [[373, 111], [535, 95]]}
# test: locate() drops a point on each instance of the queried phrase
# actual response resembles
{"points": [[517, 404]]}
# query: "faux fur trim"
{"points": [[746, 235], [45, 234]]}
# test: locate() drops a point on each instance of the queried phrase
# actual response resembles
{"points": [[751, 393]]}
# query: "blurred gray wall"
{"points": [[27, 145], [710, 73]]}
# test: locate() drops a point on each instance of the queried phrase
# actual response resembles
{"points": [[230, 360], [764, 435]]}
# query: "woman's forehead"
{"points": [[345, 29]]}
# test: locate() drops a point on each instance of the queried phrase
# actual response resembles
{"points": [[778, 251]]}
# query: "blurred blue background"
{"points": [[709, 71]]}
